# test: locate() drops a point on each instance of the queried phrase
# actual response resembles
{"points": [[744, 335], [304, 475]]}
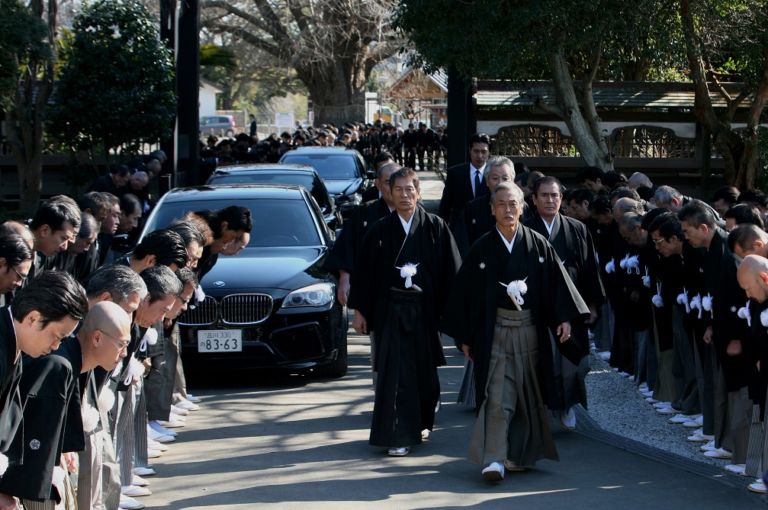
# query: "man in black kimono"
{"points": [[45, 311], [53, 421], [726, 331], [573, 244], [405, 268], [511, 290]]}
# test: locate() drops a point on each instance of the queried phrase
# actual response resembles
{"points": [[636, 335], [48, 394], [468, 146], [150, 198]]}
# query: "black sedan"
{"points": [[342, 170], [302, 175], [272, 305]]}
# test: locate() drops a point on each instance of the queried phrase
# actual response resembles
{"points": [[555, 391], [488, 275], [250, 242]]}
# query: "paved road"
{"points": [[302, 444]]}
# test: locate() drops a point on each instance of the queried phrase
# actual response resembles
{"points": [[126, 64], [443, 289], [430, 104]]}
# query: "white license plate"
{"points": [[220, 340]]}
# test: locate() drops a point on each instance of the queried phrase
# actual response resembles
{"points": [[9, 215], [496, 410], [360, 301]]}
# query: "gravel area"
{"points": [[616, 406]]}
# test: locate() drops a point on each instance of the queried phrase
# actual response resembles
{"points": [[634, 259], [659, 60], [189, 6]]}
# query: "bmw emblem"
{"points": [[219, 284]]}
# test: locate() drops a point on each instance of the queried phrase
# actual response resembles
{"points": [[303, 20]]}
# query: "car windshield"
{"points": [[329, 166], [290, 221]]}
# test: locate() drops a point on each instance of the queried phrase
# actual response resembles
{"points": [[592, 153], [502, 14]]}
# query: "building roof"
{"points": [[415, 82], [608, 95]]}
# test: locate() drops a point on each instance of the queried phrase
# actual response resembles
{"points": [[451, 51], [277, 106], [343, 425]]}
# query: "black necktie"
{"points": [[477, 182]]}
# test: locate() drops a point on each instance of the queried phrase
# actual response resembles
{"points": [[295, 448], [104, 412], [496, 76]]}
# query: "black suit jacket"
{"points": [[458, 191]]}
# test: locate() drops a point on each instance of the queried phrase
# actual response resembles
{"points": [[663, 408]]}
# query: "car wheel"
{"points": [[336, 368]]}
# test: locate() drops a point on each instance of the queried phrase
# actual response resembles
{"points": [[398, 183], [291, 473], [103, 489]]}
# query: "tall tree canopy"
{"points": [[332, 46], [570, 42], [116, 86], [728, 41]]}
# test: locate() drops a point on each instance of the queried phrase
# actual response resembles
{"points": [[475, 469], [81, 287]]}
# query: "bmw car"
{"points": [[343, 171], [272, 305]]}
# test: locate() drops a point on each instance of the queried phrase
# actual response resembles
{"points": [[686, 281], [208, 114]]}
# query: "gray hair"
{"points": [[631, 221], [639, 180], [119, 281], [664, 195], [508, 186], [501, 161], [161, 282]]}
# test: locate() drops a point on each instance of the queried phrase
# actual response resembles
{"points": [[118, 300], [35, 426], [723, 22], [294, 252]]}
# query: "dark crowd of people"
{"points": [[521, 273], [415, 145], [527, 276], [91, 381]]}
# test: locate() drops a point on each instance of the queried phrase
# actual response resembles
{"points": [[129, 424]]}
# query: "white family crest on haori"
{"points": [[743, 313], [408, 271], [515, 290]]}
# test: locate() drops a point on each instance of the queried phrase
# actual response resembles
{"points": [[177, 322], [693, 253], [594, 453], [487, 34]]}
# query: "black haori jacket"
{"points": [[552, 299]]}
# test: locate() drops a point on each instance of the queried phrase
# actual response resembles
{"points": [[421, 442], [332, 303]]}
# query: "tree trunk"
{"points": [[336, 95], [587, 136], [749, 163]]}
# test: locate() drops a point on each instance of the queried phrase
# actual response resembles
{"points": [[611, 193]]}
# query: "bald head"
{"points": [[22, 230], [753, 277], [104, 335]]}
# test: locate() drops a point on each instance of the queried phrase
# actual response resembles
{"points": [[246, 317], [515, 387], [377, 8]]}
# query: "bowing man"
{"points": [[510, 290], [405, 267]]}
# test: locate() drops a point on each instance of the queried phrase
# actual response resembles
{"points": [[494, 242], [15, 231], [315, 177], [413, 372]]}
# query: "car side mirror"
{"points": [[370, 174]]}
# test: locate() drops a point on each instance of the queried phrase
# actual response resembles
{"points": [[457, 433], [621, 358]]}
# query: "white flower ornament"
{"points": [[408, 271], [515, 290], [764, 318], [682, 299], [743, 313], [657, 300], [610, 267], [696, 304], [149, 338]]}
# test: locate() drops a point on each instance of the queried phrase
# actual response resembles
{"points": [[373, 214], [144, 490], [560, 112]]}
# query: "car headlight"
{"points": [[319, 294]]}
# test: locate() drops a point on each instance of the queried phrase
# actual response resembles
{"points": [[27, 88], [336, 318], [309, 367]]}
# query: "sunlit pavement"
{"points": [[303, 443]]}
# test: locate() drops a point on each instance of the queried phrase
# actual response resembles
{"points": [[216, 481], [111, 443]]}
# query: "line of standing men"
{"points": [[407, 282]]}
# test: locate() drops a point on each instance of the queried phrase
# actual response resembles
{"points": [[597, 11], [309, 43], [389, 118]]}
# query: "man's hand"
{"points": [[465, 350], [592, 315], [8, 502], [564, 331], [708, 335], [342, 293], [734, 348], [69, 461], [359, 323]]}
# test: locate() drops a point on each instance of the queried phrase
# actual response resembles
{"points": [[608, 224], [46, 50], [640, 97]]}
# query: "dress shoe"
{"points": [[511, 466], [180, 411], [186, 404], [157, 427], [173, 424], [151, 443], [718, 453], [144, 471], [758, 486], [399, 452], [568, 419], [425, 434], [133, 491], [679, 419], [139, 481], [700, 438], [128, 503], [736, 469], [493, 472]]}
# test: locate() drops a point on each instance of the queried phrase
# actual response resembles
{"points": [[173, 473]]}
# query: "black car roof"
{"points": [[235, 192], [267, 167], [321, 150]]}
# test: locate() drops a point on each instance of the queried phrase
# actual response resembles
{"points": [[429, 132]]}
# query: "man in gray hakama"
{"points": [[511, 289]]}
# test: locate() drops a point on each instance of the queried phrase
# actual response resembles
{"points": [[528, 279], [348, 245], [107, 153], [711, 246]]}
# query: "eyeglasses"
{"points": [[118, 343], [659, 240], [22, 277]]}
